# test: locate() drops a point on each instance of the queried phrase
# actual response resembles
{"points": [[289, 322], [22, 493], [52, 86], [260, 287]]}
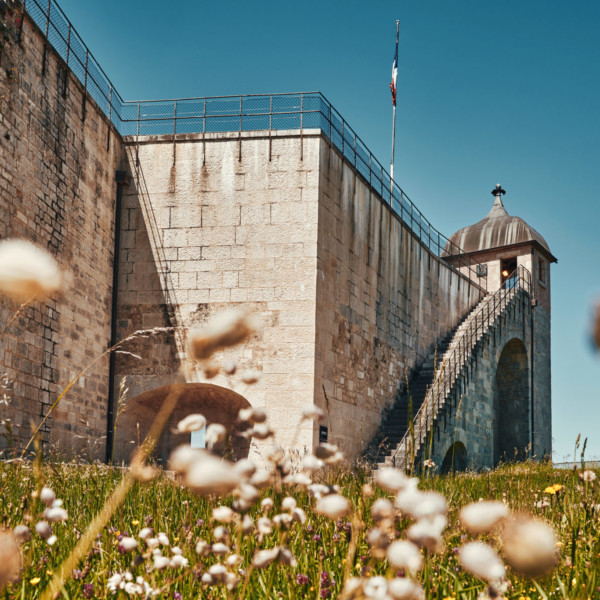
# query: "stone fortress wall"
{"points": [[348, 298], [57, 189]]}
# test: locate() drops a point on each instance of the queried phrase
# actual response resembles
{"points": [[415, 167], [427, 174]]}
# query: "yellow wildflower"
{"points": [[550, 490], [557, 487], [35, 580], [136, 522]]}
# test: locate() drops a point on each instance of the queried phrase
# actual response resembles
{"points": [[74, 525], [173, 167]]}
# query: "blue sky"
{"points": [[488, 92]]}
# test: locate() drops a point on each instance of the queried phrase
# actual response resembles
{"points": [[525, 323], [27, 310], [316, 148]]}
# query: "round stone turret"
{"points": [[497, 230], [497, 245]]}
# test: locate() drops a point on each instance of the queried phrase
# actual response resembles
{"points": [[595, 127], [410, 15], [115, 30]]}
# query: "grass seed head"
{"points": [[402, 554], [228, 328], [334, 506], [402, 588], [26, 270], [482, 561], [22, 533], [391, 480], [191, 423], [210, 475], [481, 517], [427, 533], [223, 514], [10, 559], [530, 546], [382, 509]]}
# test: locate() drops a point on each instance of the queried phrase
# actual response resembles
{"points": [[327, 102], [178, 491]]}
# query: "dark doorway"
{"points": [[455, 459], [512, 403], [215, 403], [508, 268]]}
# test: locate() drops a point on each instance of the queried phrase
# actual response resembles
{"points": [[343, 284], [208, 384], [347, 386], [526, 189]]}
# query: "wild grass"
{"points": [[320, 545]]}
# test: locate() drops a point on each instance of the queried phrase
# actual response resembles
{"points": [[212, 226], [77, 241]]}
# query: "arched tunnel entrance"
{"points": [[217, 404], [512, 435], [455, 460]]}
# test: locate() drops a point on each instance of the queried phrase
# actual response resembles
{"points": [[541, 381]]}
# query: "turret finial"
{"points": [[498, 190]]}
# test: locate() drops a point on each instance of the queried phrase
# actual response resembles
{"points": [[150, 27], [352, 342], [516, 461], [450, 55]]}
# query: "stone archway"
{"points": [[217, 404], [455, 459], [512, 431]]}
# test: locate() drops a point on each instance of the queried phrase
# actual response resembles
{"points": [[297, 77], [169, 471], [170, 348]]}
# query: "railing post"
{"points": [[83, 106], [301, 124], [109, 119], [21, 23], [46, 39], [68, 44], [270, 124], [174, 120], [240, 134], [48, 19]]}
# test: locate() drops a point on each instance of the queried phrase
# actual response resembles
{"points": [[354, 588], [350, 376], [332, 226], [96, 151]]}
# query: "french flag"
{"points": [[394, 74]]}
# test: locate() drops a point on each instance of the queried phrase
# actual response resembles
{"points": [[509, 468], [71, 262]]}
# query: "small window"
{"points": [[542, 271], [508, 272]]}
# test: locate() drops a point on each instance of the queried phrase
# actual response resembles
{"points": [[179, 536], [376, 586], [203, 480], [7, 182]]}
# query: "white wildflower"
{"points": [[215, 433], [530, 546], [161, 562], [47, 496], [312, 412], [288, 503], [43, 529], [191, 423], [22, 533], [417, 504], [223, 514], [26, 270], [481, 517], [482, 561], [219, 548], [405, 555], [391, 480], [178, 562], [382, 509], [263, 558], [311, 464], [228, 328], [427, 533], [245, 467], [251, 376], [402, 588], [128, 543], [56, 514], [333, 506]]}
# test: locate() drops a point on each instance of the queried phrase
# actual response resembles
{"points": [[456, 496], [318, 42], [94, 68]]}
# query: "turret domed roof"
{"points": [[497, 230]]}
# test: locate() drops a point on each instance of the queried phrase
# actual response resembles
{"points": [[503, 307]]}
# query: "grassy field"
{"points": [[325, 550]]}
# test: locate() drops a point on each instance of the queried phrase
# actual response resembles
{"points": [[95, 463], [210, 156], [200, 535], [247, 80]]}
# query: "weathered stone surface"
{"points": [[57, 189]]}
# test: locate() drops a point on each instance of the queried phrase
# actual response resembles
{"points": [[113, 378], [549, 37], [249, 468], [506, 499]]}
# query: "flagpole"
{"points": [[394, 120]]}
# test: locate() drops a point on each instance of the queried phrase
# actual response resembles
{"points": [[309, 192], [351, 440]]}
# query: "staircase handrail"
{"points": [[451, 368]]}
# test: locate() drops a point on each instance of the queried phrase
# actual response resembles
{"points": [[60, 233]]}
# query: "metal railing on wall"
{"points": [[299, 111]]}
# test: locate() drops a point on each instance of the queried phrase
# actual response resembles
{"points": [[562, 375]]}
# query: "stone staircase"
{"points": [[444, 370]]}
